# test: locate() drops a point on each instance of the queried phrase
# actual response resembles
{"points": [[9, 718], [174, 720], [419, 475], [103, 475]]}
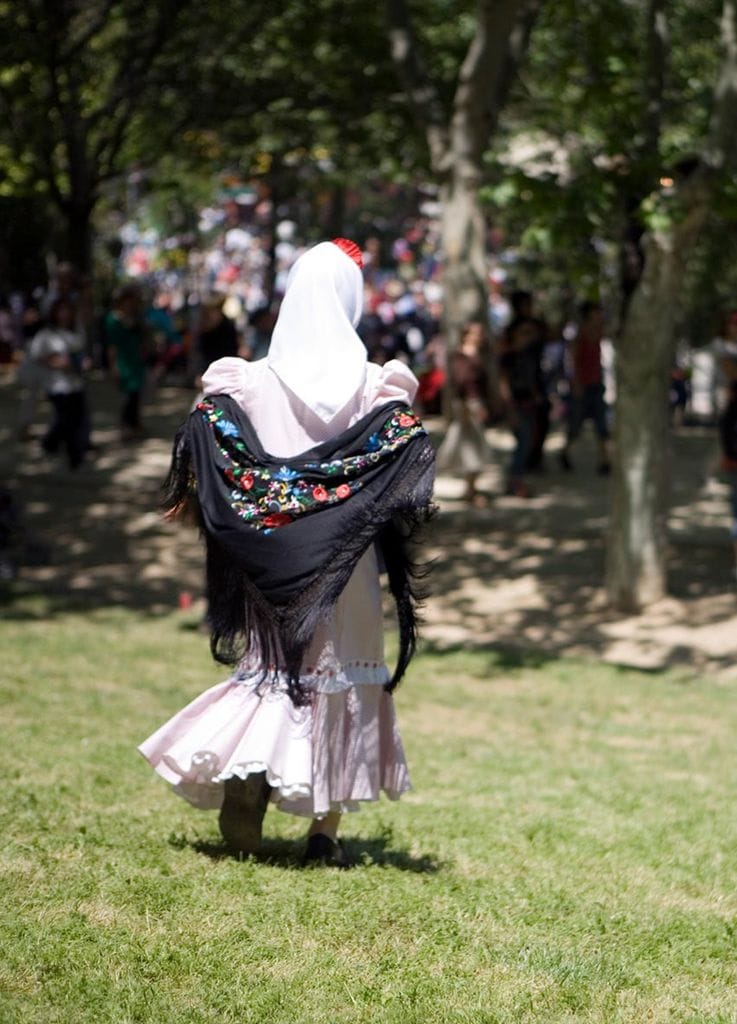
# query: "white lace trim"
{"points": [[204, 780], [330, 677], [203, 785]]}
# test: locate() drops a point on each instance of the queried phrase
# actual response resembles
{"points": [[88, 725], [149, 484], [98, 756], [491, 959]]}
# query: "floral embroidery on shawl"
{"points": [[268, 497]]}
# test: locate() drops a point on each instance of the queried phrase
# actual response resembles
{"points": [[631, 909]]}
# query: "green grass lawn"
{"points": [[569, 852]]}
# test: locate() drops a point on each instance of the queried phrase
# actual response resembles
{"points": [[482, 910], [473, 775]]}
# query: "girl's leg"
{"points": [[323, 845], [327, 826], [242, 812]]}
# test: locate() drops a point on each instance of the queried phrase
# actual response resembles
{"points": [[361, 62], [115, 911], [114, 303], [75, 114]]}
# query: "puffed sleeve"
{"points": [[392, 382], [229, 376]]}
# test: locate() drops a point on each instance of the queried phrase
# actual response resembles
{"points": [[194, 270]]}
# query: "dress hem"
{"points": [[207, 795], [341, 750]]}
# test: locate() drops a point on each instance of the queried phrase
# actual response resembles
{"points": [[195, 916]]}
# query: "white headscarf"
{"points": [[314, 349]]}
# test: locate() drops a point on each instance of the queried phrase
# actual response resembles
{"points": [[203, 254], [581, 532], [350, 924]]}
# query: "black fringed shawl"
{"points": [[283, 536]]}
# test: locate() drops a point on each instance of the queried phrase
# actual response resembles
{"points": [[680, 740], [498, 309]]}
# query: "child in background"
{"points": [[57, 352]]}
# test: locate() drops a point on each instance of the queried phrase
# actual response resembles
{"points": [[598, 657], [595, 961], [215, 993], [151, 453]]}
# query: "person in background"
{"points": [[587, 386], [57, 350], [535, 329], [724, 348], [431, 368], [371, 328], [261, 321], [68, 284], [728, 438], [126, 334], [519, 389], [217, 337], [8, 334], [678, 394], [167, 349], [29, 377], [465, 449]]}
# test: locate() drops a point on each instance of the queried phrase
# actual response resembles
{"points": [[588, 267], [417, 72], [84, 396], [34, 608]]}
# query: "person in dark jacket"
{"points": [[728, 438], [218, 335]]}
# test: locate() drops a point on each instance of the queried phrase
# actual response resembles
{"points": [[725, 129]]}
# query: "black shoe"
{"points": [[321, 849], [242, 813], [565, 462], [604, 469]]}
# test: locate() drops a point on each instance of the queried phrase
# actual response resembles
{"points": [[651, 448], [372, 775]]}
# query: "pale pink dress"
{"points": [[344, 747]]}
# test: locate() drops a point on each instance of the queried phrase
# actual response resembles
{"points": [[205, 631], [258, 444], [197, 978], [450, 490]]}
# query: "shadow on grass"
{"points": [[284, 853], [500, 656], [522, 580], [508, 657]]}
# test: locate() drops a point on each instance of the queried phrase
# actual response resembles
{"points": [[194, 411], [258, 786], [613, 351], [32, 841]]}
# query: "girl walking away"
{"points": [[305, 468], [57, 351]]}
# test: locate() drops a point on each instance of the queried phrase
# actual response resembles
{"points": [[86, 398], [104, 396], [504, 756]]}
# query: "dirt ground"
{"points": [[521, 575]]}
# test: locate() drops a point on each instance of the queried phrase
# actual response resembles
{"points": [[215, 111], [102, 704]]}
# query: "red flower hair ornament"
{"points": [[350, 249]]}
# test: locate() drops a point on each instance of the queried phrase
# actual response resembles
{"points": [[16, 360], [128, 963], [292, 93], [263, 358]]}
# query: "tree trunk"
{"points": [[457, 146], [464, 244], [636, 554], [79, 235], [335, 218]]}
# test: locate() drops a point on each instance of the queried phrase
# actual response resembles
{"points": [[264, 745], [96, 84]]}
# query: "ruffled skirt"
{"points": [[341, 749]]}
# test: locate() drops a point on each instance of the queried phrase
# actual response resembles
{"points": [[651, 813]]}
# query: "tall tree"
{"points": [[458, 133], [78, 76], [288, 106], [632, 128], [672, 217]]}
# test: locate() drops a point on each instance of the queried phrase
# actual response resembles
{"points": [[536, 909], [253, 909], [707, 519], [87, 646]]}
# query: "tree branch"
{"points": [[18, 129], [658, 46], [722, 148], [51, 174], [96, 25], [487, 73], [493, 58], [645, 167], [134, 68], [414, 77]]}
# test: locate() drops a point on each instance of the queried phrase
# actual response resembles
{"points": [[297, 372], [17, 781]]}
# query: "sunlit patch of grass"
{"points": [[567, 854]]}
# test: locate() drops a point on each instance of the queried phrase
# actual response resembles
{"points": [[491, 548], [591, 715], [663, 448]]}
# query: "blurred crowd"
{"points": [[177, 310]]}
